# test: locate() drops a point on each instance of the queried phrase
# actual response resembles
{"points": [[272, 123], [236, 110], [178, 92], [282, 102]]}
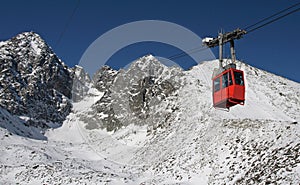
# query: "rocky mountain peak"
{"points": [[24, 44], [147, 63], [34, 82], [131, 95]]}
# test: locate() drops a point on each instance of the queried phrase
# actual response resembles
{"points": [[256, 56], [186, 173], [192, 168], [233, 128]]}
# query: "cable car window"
{"points": [[230, 78], [225, 80], [238, 76], [217, 84]]}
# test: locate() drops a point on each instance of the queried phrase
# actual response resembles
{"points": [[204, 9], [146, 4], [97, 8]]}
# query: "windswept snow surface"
{"points": [[253, 144]]}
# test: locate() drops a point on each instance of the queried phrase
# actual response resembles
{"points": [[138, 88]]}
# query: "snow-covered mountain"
{"points": [[152, 124]]}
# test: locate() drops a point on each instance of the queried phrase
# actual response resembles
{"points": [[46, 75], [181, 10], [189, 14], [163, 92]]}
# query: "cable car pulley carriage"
{"points": [[228, 82]]}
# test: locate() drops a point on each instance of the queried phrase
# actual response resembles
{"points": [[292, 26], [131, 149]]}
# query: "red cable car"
{"points": [[228, 85], [229, 88]]}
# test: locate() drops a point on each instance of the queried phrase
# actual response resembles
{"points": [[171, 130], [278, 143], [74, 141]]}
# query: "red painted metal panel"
{"points": [[229, 88]]}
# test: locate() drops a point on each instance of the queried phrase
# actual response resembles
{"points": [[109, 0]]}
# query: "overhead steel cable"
{"points": [[271, 16], [67, 23], [182, 54], [273, 20], [198, 49]]}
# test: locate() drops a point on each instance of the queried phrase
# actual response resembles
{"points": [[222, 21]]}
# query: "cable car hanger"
{"points": [[223, 39]]}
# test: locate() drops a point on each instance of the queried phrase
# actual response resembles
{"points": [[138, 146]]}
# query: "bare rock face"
{"points": [[136, 95], [34, 82], [81, 83], [104, 78]]}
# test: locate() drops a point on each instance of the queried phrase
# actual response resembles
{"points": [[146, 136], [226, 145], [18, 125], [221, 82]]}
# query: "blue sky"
{"points": [[273, 48]]}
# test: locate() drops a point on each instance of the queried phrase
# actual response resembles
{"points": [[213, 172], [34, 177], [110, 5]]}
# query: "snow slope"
{"points": [[64, 158], [253, 144]]}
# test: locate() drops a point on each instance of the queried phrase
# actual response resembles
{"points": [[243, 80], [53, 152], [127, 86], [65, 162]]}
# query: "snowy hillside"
{"points": [[156, 125]]}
